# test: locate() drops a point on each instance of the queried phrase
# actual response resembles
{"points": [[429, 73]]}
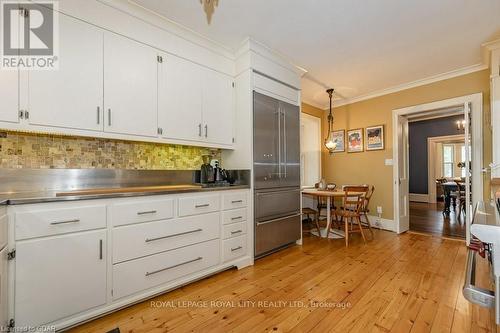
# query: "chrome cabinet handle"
{"points": [[279, 142], [236, 218], [109, 117], [284, 143], [173, 266], [147, 212], [98, 115], [236, 248], [201, 206], [236, 232], [148, 240], [278, 219], [206, 131], [100, 249], [237, 201], [65, 222], [199, 129]]}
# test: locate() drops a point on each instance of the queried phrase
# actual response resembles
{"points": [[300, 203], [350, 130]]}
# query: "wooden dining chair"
{"points": [[314, 220], [461, 198], [365, 210], [352, 203]]}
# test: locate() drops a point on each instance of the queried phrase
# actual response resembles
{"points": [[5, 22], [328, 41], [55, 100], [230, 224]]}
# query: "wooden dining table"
{"points": [[330, 197]]}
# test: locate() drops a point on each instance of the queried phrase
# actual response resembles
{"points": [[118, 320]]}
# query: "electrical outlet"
{"points": [[379, 209]]}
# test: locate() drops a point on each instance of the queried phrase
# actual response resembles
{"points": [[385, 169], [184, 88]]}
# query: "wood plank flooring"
{"points": [[429, 218], [403, 283]]}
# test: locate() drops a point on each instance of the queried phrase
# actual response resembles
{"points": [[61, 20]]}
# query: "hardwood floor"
{"points": [[403, 283], [428, 218]]}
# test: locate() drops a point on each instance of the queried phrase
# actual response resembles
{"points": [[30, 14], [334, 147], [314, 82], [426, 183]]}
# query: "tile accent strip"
{"points": [[44, 151]]}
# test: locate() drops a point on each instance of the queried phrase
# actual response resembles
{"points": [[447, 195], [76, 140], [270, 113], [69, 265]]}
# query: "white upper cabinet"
{"points": [[130, 87], [9, 96], [72, 96], [218, 107], [179, 99]]}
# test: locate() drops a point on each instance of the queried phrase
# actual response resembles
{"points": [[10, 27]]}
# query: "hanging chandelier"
{"points": [[209, 8], [330, 141]]}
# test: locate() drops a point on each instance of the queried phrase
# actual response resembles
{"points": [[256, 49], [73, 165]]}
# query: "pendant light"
{"points": [[330, 141]]}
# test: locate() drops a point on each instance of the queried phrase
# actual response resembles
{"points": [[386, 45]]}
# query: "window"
{"points": [[448, 158], [310, 157]]}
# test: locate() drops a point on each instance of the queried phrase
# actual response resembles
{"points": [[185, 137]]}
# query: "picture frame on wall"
{"points": [[355, 142], [375, 138], [339, 137]]}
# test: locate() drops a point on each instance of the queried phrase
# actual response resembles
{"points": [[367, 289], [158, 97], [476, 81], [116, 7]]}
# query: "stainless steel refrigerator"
{"points": [[276, 174]]}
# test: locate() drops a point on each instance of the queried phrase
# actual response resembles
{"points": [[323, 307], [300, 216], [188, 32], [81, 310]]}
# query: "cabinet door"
{"points": [[4, 290], [59, 276], [179, 99], [130, 87], [218, 108], [71, 96], [9, 95]]}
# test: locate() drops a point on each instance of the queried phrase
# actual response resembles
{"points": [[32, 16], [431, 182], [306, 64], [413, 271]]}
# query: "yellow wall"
{"points": [[368, 167]]}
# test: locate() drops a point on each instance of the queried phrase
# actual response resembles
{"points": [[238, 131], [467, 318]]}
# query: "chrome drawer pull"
{"points": [[147, 212], [148, 240], [236, 218], [173, 266], [237, 201], [65, 222], [236, 232], [236, 248], [201, 206]]}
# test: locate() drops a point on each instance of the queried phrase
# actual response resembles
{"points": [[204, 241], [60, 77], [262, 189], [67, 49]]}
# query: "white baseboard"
{"points": [[419, 197], [381, 223]]}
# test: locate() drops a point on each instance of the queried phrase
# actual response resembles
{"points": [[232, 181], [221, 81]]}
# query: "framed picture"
{"points": [[340, 139], [355, 141], [375, 137]]}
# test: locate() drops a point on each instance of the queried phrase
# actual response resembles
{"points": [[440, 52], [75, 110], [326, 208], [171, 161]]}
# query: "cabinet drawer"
{"points": [[234, 230], [234, 248], [142, 211], [58, 219], [140, 240], [3, 230], [234, 216], [198, 204], [234, 200], [141, 274]]}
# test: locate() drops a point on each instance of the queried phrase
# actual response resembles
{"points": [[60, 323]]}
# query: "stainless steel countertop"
{"points": [[21, 198]]}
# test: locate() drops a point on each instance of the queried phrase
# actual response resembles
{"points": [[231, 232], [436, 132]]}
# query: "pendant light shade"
{"points": [[330, 141]]}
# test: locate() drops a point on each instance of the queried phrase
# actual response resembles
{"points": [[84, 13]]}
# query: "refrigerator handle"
{"points": [[279, 141], [284, 141]]}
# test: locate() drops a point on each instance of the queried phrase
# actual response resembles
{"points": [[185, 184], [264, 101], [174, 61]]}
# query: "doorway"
{"points": [[473, 125], [436, 152]]}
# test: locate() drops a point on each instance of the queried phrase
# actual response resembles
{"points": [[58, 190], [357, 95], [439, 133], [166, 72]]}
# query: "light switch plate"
{"points": [[388, 161]]}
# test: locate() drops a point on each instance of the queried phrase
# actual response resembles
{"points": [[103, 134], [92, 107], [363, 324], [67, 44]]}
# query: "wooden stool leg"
{"points": [[361, 229], [346, 227]]}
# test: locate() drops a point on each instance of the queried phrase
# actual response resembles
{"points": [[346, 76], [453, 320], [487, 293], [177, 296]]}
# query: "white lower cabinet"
{"points": [[60, 276], [136, 275], [63, 273]]}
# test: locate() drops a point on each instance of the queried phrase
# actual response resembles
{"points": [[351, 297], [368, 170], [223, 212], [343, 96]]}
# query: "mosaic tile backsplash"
{"points": [[35, 151]]}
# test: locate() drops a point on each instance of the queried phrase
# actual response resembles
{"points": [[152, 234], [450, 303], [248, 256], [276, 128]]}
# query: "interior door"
{"points": [[267, 144], [59, 276], [72, 96], [218, 107], [290, 157], [403, 179], [468, 178], [179, 99], [130, 87]]}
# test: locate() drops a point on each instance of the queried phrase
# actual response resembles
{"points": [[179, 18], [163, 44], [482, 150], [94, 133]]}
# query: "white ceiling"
{"points": [[358, 47]]}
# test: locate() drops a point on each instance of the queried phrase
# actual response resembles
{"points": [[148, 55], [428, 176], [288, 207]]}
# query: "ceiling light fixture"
{"points": [[460, 124], [330, 141], [209, 8]]}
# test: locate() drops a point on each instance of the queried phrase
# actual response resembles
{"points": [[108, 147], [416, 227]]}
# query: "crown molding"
{"points": [[414, 84], [312, 103]]}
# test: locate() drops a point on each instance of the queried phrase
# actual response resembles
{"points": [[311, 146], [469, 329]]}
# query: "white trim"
{"points": [[417, 197], [476, 100], [381, 223], [313, 103], [317, 121], [414, 84]]}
